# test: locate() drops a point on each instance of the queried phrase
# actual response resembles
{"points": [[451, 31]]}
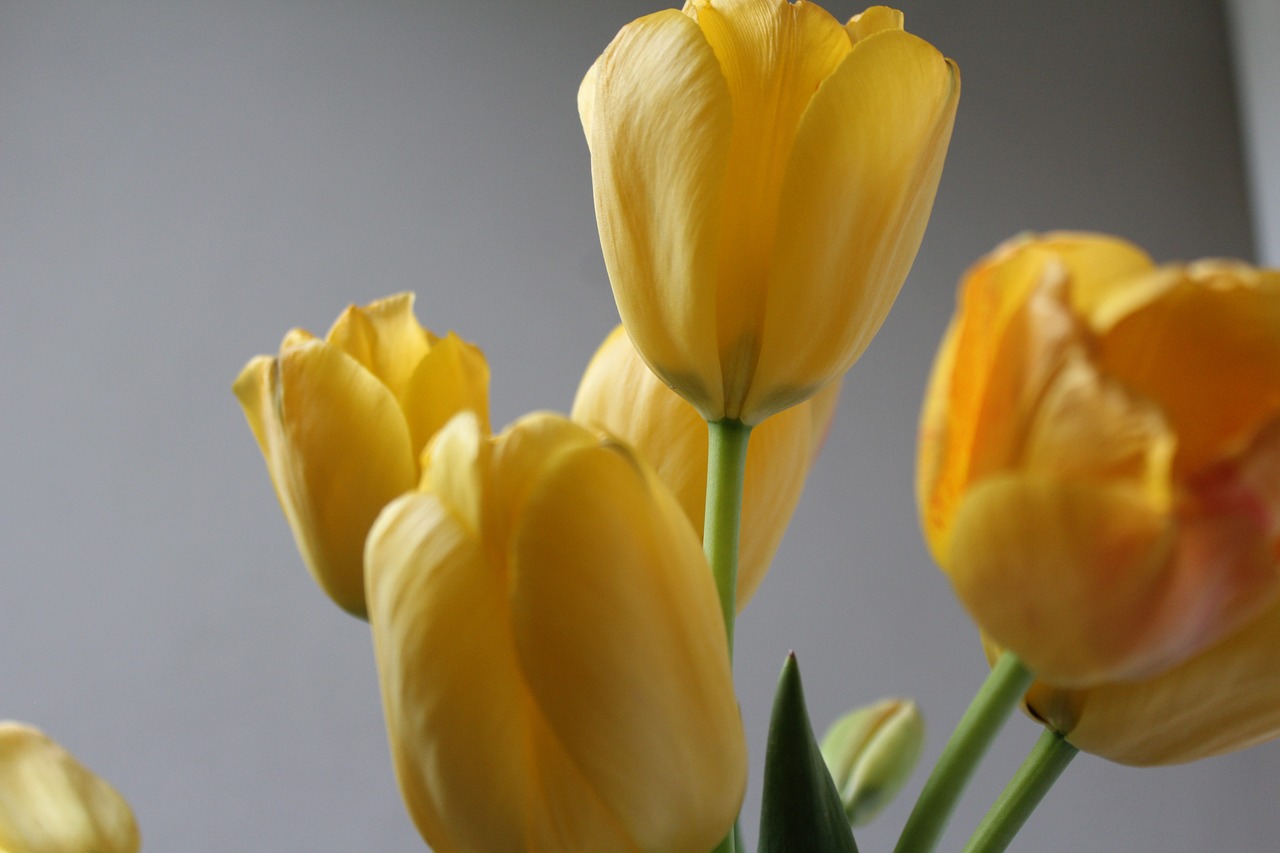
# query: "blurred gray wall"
{"points": [[1255, 38], [181, 182]]}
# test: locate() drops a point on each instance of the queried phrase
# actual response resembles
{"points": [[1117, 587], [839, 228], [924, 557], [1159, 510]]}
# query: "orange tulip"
{"points": [[1100, 479]]}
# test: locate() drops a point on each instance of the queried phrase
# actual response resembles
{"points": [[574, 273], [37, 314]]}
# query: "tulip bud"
{"points": [[1099, 477], [622, 396], [871, 752], [763, 176], [342, 422], [554, 669], [50, 803]]}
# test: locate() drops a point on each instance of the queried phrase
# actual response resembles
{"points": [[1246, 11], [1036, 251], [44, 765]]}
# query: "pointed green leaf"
{"points": [[801, 809]]}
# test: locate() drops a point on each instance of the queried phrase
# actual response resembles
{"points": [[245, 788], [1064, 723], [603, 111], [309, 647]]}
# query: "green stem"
{"points": [[726, 467], [986, 714], [1044, 764]]}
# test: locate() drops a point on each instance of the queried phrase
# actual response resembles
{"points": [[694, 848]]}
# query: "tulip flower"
{"points": [[342, 422], [763, 176], [1100, 479], [50, 803], [554, 670], [620, 395]]}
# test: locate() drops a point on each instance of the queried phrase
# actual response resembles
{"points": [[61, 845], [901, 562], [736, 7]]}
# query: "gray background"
{"points": [[181, 182]]}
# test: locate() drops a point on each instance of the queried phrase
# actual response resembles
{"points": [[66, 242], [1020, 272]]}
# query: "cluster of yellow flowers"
{"points": [[1099, 462]]}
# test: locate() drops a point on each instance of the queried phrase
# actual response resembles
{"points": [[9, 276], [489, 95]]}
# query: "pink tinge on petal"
{"points": [[1227, 563]]}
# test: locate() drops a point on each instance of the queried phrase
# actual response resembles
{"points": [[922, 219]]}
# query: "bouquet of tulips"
{"points": [[552, 607]]}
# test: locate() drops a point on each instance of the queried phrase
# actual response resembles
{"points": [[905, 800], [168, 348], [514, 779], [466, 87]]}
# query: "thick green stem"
{"points": [[1044, 764], [987, 713], [726, 467]]}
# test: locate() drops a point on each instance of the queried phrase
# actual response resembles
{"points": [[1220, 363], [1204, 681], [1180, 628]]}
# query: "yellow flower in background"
{"points": [[1100, 478], [553, 664], [50, 803], [342, 421], [763, 176], [620, 395]]}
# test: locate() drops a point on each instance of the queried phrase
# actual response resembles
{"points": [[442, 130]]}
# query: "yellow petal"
{"points": [[337, 448], [1070, 576], [1089, 427], [1007, 341], [452, 377], [858, 189], [774, 55], [657, 190], [1096, 263], [385, 338], [486, 711], [1206, 348], [875, 19], [51, 803], [619, 637], [455, 467], [1227, 698], [451, 689], [621, 396]]}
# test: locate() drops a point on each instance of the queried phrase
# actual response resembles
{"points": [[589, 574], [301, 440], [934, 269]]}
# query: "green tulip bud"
{"points": [[871, 752]]}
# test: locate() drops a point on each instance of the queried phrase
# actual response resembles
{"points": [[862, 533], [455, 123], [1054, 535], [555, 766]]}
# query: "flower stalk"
{"points": [[1042, 767], [726, 470], [986, 715]]}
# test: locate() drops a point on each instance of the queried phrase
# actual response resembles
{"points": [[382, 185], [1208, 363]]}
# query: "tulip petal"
{"points": [[50, 803], [385, 338], [621, 396], [601, 539], [1227, 698], [873, 20], [452, 377], [443, 644], [1068, 575], [656, 185], [337, 447], [1004, 346], [1087, 427], [774, 56], [1095, 263], [1206, 347], [858, 190]]}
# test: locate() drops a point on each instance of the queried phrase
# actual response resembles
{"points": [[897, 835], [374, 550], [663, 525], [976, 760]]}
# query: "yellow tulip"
{"points": [[342, 422], [1100, 478], [553, 664], [50, 803], [620, 395], [763, 176]]}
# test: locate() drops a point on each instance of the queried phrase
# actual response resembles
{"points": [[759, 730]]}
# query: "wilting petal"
{"points": [[51, 803]]}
